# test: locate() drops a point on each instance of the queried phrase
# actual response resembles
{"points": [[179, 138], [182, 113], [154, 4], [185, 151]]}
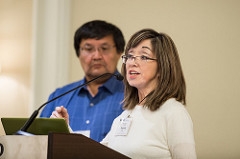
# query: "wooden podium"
{"points": [[76, 146], [54, 146]]}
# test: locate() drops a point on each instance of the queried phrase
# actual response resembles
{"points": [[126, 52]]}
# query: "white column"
{"points": [[50, 48]]}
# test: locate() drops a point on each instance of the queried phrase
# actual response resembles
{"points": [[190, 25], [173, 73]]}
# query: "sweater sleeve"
{"points": [[180, 134]]}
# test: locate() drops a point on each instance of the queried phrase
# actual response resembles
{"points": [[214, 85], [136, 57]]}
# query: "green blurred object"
{"points": [[40, 126]]}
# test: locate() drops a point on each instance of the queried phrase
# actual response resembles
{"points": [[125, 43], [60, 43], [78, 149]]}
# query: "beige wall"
{"points": [[206, 34], [15, 55]]}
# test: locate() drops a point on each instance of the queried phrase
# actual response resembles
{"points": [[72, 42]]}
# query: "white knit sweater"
{"points": [[166, 133]]}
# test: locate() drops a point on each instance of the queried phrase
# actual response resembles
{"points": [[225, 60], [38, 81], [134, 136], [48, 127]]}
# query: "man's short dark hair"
{"points": [[98, 29]]}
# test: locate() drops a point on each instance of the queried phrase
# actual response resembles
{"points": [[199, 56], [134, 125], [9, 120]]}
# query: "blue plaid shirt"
{"points": [[87, 113]]}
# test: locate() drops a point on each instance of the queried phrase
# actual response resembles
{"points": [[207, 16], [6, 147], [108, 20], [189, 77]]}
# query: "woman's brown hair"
{"points": [[171, 79]]}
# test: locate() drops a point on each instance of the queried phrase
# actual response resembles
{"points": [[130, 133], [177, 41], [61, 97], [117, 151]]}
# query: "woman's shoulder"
{"points": [[174, 110], [172, 106], [172, 103]]}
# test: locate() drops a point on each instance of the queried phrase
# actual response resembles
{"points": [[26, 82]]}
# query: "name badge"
{"points": [[123, 127]]}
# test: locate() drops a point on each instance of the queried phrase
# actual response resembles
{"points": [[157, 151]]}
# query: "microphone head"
{"points": [[119, 77]]}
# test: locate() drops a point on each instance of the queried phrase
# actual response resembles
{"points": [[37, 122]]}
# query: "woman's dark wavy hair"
{"points": [[98, 29], [171, 82]]}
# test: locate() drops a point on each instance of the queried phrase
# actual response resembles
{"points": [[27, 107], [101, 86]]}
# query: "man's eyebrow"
{"points": [[87, 44]]}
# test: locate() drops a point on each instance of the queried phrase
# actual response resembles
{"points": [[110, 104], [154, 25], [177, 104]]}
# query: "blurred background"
{"points": [[37, 56]]}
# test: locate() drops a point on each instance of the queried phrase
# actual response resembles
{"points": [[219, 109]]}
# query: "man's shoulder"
{"points": [[114, 85], [68, 87]]}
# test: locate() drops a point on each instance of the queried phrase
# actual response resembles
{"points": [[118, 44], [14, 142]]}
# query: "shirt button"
{"points": [[91, 104], [87, 121]]}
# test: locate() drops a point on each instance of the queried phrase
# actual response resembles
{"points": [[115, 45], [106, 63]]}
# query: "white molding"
{"points": [[50, 48]]}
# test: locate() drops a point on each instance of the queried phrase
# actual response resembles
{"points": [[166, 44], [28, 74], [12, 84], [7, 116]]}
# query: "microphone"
{"points": [[118, 77], [27, 124]]}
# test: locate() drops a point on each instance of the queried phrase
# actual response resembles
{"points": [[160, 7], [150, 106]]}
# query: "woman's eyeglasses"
{"points": [[142, 58]]}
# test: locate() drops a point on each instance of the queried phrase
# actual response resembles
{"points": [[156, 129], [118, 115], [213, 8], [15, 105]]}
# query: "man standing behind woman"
{"points": [[90, 110], [155, 123]]}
